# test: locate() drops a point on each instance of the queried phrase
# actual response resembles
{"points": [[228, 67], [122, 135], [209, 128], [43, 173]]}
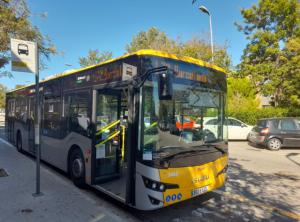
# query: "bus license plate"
{"points": [[199, 191]]}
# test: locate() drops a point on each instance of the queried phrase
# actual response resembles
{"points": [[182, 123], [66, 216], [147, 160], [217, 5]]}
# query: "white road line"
{"points": [[5, 142]]}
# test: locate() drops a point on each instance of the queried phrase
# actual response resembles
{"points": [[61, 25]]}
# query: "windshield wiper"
{"points": [[168, 157], [213, 146]]}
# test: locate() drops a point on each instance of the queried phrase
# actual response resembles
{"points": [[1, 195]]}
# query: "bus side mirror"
{"points": [[165, 86]]}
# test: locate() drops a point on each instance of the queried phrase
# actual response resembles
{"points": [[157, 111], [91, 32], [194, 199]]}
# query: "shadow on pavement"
{"points": [[290, 155], [257, 146], [277, 190], [263, 199]]}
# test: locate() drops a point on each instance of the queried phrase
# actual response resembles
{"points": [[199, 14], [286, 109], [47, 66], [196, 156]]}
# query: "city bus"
{"points": [[114, 126]]}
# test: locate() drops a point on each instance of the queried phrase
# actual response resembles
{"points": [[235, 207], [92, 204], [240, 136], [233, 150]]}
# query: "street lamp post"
{"points": [[205, 10]]}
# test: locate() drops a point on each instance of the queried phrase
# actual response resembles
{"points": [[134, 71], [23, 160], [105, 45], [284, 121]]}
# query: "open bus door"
{"points": [[107, 149]]}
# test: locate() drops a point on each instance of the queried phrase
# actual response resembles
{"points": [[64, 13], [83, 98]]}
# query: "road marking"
{"points": [[5, 142], [98, 218], [259, 204]]}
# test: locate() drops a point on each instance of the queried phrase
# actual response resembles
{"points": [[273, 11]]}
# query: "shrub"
{"points": [[250, 116]]}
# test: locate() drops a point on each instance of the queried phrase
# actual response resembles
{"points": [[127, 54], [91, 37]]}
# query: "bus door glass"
{"points": [[107, 135]]}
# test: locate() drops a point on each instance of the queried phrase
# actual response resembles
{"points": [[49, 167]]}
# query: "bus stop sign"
{"points": [[23, 56]]}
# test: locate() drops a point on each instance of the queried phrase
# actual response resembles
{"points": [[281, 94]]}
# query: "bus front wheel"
{"points": [[77, 168]]}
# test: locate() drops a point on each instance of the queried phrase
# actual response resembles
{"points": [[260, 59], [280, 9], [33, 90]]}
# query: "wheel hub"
{"points": [[274, 144], [77, 167]]}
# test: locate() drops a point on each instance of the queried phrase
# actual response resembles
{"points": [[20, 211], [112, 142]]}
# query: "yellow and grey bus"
{"points": [[131, 127]]}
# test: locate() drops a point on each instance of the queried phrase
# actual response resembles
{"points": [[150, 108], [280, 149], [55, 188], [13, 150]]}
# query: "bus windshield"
{"points": [[178, 125]]}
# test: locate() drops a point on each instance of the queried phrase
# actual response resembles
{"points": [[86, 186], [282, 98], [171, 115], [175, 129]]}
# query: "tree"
{"points": [[196, 47], [152, 39], [94, 57], [290, 65], [3, 90], [241, 94], [14, 23], [269, 59], [18, 86], [199, 48]]}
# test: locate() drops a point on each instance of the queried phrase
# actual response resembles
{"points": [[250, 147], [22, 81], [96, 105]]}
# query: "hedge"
{"points": [[250, 116]]}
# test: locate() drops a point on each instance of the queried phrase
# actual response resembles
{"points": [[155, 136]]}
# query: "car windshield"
{"points": [[177, 125]]}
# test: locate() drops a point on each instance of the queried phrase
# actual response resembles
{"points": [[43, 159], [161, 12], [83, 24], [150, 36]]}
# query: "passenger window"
{"points": [[276, 123], [52, 117], [76, 112], [262, 123], [234, 122], [288, 124], [212, 122], [11, 108]]}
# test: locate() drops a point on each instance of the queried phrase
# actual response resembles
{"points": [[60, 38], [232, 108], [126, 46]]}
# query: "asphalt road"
{"points": [[262, 186]]}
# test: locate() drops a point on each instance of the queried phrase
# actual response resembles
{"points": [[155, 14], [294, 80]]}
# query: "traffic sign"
{"points": [[23, 56]]}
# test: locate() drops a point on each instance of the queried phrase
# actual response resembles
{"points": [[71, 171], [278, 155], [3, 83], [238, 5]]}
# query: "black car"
{"points": [[275, 133]]}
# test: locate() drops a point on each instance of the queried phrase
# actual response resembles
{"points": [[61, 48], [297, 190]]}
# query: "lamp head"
{"points": [[204, 9]]}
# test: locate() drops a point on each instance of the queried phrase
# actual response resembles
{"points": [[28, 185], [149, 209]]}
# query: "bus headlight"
{"points": [[154, 185], [158, 186], [161, 187]]}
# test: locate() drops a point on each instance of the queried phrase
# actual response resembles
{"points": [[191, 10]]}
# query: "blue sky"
{"points": [[77, 26]]}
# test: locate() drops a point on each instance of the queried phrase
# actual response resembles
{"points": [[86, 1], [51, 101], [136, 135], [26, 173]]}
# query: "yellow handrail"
{"points": [[107, 127], [123, 142], [109, 138]]}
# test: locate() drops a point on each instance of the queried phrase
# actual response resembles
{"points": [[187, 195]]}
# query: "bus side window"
{"points": [[52, 117], [77, 112]]}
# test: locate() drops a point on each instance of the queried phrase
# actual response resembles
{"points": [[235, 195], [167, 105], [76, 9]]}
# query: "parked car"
{"points": [[182, 122], [275, 133], [237, 130]]}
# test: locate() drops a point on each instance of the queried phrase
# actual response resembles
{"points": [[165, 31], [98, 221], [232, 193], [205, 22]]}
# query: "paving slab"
{"points": [[61, 200]]}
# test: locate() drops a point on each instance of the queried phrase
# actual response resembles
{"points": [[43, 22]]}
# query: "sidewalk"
{"points": [[61, 201]]}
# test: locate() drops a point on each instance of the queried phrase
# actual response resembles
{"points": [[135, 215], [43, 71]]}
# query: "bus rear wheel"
{"points": [[19, 142], [77, 168]]}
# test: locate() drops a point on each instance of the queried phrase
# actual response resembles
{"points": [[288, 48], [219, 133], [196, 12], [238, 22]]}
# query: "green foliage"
{"points": [[3, 90], [94, 57], [14, 23], [250, 116], [241, 94], [290, 65], [271, 58], [152, 39], [18, 86], [196, 47]]}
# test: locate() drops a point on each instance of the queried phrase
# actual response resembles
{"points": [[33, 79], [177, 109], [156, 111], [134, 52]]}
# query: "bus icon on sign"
{"points": [[23, 49]]}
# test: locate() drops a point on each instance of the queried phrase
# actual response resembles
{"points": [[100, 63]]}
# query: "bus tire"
{"points": [[77, 168], [19, 142]]}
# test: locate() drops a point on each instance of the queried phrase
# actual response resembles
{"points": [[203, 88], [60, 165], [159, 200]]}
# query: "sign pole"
{"points": [[37, 126], [25, 58]]}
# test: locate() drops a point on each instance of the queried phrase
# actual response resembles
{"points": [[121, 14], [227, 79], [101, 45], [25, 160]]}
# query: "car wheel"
{"points": [[19, 142], [274, 144], [77, 168]]}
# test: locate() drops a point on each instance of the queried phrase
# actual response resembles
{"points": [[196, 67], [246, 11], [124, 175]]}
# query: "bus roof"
{"points": [[142, 52]]}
